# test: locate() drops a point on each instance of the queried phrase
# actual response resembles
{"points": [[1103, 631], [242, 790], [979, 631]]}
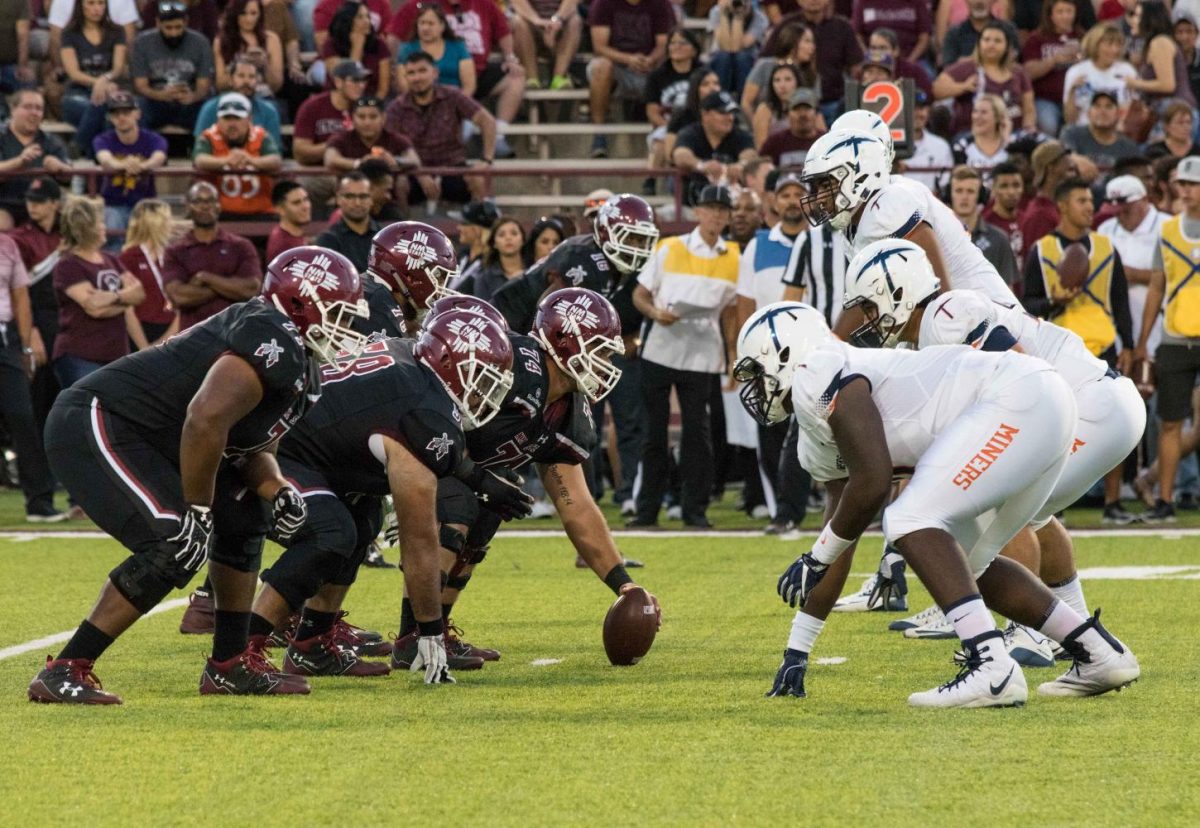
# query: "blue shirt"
{"points": [[262, 113], [454, 53]]}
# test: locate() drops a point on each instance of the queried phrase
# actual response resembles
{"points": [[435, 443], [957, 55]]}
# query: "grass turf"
{"points": [[684, 737]]}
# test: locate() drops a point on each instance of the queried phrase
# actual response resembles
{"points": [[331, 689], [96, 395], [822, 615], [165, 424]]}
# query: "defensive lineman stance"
{"points": [[981, 432], [179, 443]]}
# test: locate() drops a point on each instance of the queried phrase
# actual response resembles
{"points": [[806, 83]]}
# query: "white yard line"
{"points": [[62, 637]]}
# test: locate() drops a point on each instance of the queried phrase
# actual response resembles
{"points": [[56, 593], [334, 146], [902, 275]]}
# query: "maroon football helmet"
{"points": [[321, 293], [472, 357], [625, 230], [415, 260], [581, 330], [471, 304]]}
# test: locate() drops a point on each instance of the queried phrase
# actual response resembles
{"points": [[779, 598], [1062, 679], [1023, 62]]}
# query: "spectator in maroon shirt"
{"points": [[1048, 52], [95, 292], [838, 51], [325, 115], [432, 116], [369, 138], [295, 212], [1003, 211], [1052, 165], [788, 147], [208, 269], [144, 254], [992, 69], [911, 20]]}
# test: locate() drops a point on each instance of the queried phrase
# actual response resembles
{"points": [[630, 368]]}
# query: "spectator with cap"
{"points": [[477, 220], [172, 68], [591, 206], [25, 145], [687, 293], [712, 151], [294, 207], [966, 189], [328, 113], [246, 77], [1052, 165], [788, 147], [629, 40], [209, 269], [130, 154], [884, 41], [929, 151], [1099, 139], [352, 233], [369, 138], [433, 116], [246, 150]]}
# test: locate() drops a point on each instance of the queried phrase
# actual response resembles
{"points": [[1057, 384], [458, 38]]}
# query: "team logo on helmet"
{"points": [[469, 334], [417, 250], [314, 275], [576, 314]]}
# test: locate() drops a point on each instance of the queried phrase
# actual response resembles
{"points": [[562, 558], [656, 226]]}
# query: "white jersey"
{"points": [[896, 210], [967, 317], [918, 394]]}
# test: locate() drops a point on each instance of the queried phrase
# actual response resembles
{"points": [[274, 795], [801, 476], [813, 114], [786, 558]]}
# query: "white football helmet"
{"points": [[888, 279], [771, 344], [841, 170], [864, 120]]}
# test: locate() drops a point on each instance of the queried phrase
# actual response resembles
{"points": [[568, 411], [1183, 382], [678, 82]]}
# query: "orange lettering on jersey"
{"points": [[1077, 445], [983, 459]]}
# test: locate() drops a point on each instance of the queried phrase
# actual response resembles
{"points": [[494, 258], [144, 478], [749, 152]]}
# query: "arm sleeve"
{"points": [[1034, 297], [1122, 317]]}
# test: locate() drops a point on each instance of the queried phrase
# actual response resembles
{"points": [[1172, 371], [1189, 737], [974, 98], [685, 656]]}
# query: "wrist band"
{"points": [[616, 578], [829, 547]]}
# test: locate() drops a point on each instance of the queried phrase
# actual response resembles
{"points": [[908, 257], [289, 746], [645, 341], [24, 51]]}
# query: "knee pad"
{"points": [[147, 577], [240, 552], [301, 571], [474, 555], [451, 539], [347, 574], [458, 582]]}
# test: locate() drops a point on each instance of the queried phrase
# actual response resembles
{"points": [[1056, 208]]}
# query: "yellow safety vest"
{"points": [[1090, 313], [1181, 264]]}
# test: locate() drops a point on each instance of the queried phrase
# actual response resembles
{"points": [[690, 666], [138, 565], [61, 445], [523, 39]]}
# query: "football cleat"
{"points": [[1027, 646], [375, 559], [365, 642], [249, 674], [456, 646], [789, 679], [930, 614], [329, 654], [1101, 663], [69, 681], [199, 618], [404, 653], [284, 635], [938, 626], [857, 601], [987, 677]]}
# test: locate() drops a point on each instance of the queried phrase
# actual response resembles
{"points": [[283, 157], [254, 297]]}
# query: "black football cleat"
{"points": [[69, 681], [329, 654], [365, 642], [375, 559], [404, 653], [455, 646], [249, 674], [199, 618]]}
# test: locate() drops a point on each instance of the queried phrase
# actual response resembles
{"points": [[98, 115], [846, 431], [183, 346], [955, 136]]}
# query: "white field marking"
{"points": [[832, 660], [62, 637], [545, 662], [1140, 573]]}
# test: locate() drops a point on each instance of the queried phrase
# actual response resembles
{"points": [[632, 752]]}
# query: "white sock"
{"points": [[805, 629], [1061, 621], [971, 618], [501, 128], [1071, 594]]}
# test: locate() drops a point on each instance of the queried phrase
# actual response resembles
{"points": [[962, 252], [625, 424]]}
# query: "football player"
{"points": [[892, 283], [561, 369], [986, 436], [178, 446], [391, 422]]}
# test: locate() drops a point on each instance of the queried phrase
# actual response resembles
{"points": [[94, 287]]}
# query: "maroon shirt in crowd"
{"points": [[80, 335], [318, 119], [1011, 228], [838, 51], [281, 240], [632, 29], [225, 255], [435, 129], [156, 309], [351, 146], [1041, 46], [908, 19], [1011, 91], [785, 149], [1039, 218]]}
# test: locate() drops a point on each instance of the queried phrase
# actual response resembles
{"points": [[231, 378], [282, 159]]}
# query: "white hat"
{"points": [[1189, 169], [235, 104], [1125, 188]]}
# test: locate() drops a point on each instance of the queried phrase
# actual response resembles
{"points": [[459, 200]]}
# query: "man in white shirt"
{"points": [[1134, 232], [929, 150], [686, 292]]}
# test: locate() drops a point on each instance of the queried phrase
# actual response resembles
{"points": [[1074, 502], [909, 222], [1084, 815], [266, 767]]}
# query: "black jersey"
{"points": [[152, 388], [526, 428], [384, 392], [387, 317], [577, 262]]}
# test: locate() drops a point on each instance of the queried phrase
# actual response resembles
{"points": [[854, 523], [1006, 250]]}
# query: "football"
{"points": [[629, 628], [1073, 266]]}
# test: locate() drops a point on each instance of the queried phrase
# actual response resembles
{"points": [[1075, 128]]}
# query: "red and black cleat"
{"points": [[365, 642], [69, 681], [404, 652], [456, 646], [330, 654], [199, 618], [249, 674], [283, 636]]}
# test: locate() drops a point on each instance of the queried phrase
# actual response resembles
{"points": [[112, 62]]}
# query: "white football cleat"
{"points": [[1027, 646], [1102, 663], [857, 601], [928, 615], [987, 677], [938, 626]]}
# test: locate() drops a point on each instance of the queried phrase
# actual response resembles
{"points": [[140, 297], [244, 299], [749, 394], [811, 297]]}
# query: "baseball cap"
{"points": [[480, 214], [1189, 170], [1104, 93], [120, 100], [787, 179], [717, 194], [882, 61], [367, 100], [802, 97], [591, 204], [1047, 154], [233, 104], [172, 10], [1124, 189], [351, 69], [719, 102], [42, 189], [921, 97]]}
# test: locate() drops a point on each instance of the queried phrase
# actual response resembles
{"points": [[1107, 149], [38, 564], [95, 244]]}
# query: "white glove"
{"points": [[391, 525], [431, 655], [288, 513]]}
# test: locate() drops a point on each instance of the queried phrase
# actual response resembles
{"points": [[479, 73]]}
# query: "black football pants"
{"points": [[16, 406]]}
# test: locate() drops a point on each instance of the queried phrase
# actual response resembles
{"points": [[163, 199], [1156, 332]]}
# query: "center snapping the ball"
{"points": [[630, 627]]}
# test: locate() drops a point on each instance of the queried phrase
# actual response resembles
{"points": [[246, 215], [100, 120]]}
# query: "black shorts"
{"points": [[493, 75], [1176, 368], [134, 493], [454, 190], [339, 523], [457, 504]]}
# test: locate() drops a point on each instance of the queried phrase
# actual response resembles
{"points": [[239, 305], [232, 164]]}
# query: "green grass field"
{"points": [[683, 737]]}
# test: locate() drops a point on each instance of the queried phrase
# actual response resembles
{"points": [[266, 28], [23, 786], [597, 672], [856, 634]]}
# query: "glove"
{"points": [[503, 496], [288, 513], [891, 585], [800, 579], [789, 681], [431, 655], [391, 525], [194, 537]]}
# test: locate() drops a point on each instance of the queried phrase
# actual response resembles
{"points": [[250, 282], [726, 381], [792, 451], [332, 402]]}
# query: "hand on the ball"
{"points": [[800, 579], [431, 657], [653, 600], [789, 679]]}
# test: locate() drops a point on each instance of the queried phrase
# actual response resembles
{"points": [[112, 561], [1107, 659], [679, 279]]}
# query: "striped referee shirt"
{"points": [[820, 270]]}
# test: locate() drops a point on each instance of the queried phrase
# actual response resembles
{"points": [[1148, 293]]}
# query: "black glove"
{"points": [[288, 513], [194, 537], [891, 586], [789, 680], [800, 579], [498, 492]]}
